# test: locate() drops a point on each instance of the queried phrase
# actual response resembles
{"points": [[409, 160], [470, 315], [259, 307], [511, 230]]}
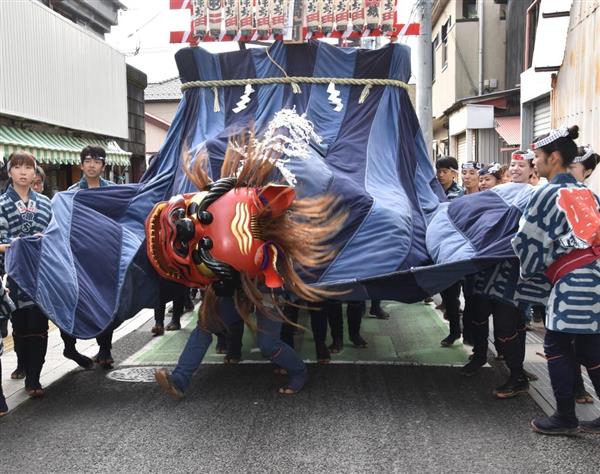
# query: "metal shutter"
{"points": [[541, 117], [461, 148]]}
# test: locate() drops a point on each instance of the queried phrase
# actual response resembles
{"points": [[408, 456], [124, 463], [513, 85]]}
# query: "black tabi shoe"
{"points": [[448, 341], [3, 406], [358, 341], [592, 427], [512, 388], [379, 314], [472, 367], [555, 425], [80, 359]]}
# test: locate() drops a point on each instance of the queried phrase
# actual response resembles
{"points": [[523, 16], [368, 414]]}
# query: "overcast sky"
{"points": [[145, 26]]}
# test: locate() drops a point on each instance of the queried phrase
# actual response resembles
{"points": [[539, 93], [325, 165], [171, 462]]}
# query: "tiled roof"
{"points": [[169, 89]]}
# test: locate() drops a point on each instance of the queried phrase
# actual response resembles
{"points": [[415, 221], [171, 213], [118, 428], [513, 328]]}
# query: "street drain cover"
{"points": [[133, 374]]}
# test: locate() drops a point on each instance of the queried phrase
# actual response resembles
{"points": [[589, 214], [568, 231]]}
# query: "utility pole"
{"points": [[424, 72]]}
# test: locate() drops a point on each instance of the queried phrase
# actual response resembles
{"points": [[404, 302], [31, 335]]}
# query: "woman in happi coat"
{"points": [[559, 238], [23, 212], [494, 291]]}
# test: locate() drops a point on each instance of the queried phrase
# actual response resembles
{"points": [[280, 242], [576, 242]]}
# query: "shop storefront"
{"points": [[59, 156]]}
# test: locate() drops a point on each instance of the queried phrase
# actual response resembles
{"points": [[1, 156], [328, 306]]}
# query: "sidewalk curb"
{"points": [[56, 365]]}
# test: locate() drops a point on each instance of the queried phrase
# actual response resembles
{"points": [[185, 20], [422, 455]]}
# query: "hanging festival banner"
{"points": [[327, 16], [357, 13], [199, 18], [388, 8], [231, 17], [372, 14], [279, 10], [313, 23], [246, 17], [262, 17], [214, 17], [247, 20], [340, 8]]}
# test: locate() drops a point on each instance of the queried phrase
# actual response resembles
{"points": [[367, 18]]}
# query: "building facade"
{"points": [[162, 99], [62, 89], [475, 97]]}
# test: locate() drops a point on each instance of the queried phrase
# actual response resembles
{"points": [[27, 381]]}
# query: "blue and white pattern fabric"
{"points": [[372, 156], [20, 219], [454, 191], [545, 234]]}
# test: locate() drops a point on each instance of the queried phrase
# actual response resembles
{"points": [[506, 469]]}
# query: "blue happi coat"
{"points": [[547, 232]]}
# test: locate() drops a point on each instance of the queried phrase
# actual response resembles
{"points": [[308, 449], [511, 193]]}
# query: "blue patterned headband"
{"points": [[552, 137]]}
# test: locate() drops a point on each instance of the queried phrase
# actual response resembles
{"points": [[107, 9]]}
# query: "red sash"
{"points": [[572, 261]]}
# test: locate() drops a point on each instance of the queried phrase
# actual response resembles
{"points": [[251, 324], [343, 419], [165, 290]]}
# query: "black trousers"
{"points": [[509, 330], [564, 352], [30, 334], [451, 300], [467, 319], [170, 291], [354, 314]]}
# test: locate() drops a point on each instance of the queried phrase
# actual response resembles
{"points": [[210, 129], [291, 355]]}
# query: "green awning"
{"points": [[56, 149]]}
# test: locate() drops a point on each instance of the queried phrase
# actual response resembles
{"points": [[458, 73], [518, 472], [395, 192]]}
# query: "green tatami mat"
{"points": [[411, 336]]}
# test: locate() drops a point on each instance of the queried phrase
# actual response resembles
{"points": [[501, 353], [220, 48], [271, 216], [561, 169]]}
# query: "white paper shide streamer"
{"points": [[244, 99], [334, 97]]}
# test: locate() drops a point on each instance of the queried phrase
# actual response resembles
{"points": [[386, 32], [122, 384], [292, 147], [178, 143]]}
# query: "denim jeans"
{"points": [[269, 342]]}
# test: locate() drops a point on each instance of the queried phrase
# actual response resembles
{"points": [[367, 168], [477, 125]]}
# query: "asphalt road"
{"points": [[350, 418]]}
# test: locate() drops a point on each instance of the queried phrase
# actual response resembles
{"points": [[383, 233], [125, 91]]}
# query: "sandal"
{"points": [[323, 355], [157, 330], [164, 380], [173, 326], [18, 374], [35, 392], [104, 361], [583, 397], [295, 384], [336, 346], [231, 360]]}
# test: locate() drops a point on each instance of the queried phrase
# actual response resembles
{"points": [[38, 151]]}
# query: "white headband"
{"points": [[494, 168], [471, 165], [552, 136], [527, 156], [588, 152]]}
